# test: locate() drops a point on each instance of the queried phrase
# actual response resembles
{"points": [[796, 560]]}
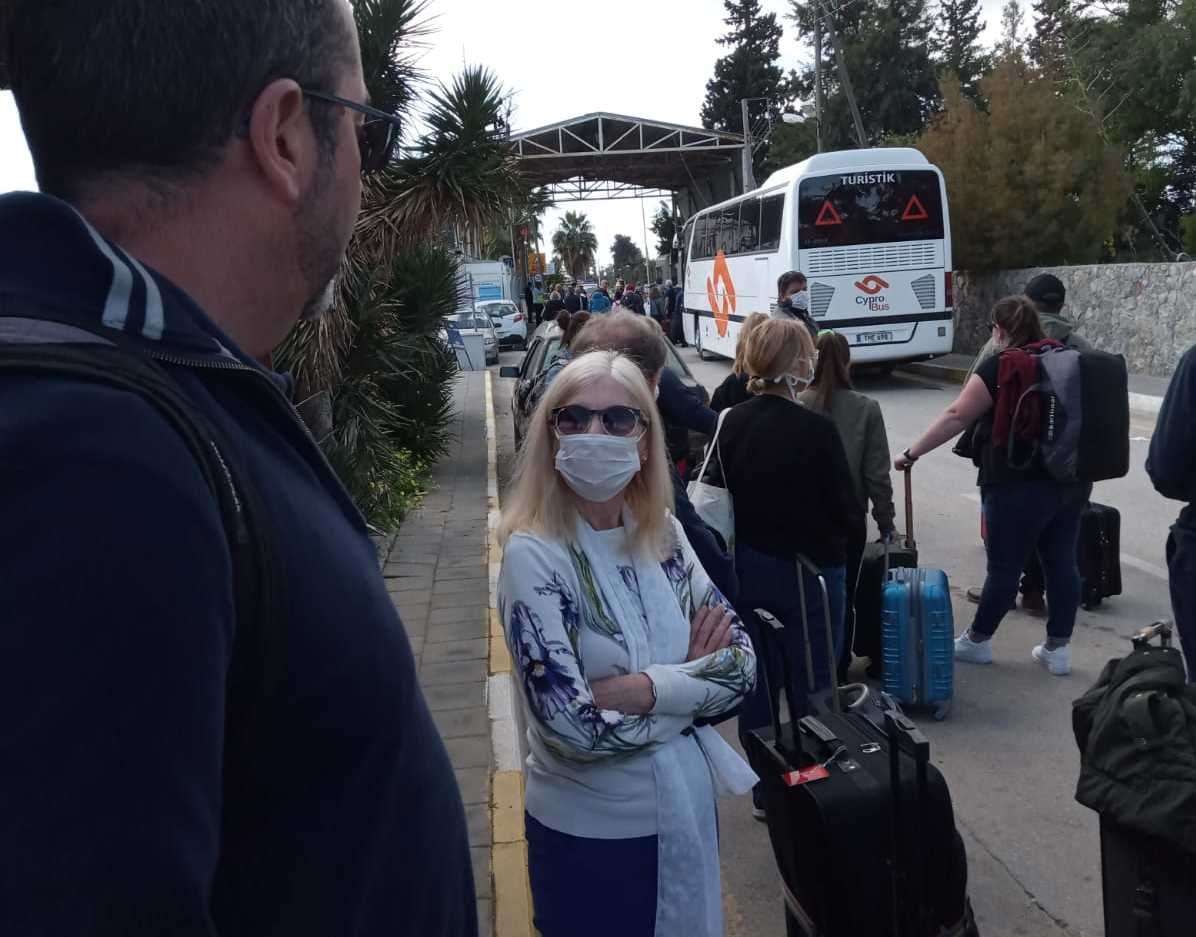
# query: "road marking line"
{"points": [[1142, 566], [508, 849], [971, 496]]}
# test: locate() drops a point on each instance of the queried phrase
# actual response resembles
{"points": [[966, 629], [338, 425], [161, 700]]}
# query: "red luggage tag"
{"points": [[813, 773]]}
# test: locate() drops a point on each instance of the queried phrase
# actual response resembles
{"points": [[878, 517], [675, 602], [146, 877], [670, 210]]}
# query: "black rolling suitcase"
{"points": [[1099, 554], [1149, 885], [879, 558], [860, 822]]}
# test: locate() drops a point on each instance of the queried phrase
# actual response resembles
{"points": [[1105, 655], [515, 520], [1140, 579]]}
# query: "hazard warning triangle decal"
{"points": [[827, 216], [914, 210]]}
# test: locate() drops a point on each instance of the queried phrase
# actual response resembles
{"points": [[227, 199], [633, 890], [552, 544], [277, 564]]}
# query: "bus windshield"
{"points": [[875, 207]]}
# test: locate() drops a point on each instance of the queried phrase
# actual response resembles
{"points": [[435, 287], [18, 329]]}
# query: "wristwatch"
{"points": [[908, 457]]}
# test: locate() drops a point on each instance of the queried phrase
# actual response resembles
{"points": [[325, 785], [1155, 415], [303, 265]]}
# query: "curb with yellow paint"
{"points": [[508, 849]]}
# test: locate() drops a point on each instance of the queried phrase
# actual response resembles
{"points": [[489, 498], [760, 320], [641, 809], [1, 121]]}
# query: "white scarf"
{"points": [[689, 896]]}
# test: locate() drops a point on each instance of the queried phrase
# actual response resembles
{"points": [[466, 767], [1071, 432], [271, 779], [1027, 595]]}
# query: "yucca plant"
{"points": [[461, 176]]}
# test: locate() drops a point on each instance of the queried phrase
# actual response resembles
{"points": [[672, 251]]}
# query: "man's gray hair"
{"points": [[638, 337]]}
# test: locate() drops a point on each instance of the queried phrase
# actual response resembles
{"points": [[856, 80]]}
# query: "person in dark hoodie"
{"points": [[171, 766], [1171, 466]]}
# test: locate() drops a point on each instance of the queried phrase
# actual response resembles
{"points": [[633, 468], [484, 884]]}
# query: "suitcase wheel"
{"points": [[942, 710]]}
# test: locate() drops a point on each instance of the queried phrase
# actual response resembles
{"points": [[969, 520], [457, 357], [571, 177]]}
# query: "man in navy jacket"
{"points": [[1172, 468], [201, 164]]}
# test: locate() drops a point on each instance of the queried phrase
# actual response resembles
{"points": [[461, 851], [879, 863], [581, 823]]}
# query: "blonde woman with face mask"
{"points": [[791, 486], [623, 648]]}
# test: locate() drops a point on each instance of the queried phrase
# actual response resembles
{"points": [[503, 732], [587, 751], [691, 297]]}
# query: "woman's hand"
{"points": [[632, 694], [902, 463], [710, 631]]}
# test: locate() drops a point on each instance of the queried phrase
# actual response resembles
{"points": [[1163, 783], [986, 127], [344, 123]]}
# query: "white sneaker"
{"points": [[1057, 661], [973, 652]]}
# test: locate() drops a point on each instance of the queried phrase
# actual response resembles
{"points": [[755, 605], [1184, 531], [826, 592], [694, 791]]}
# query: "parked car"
{"points": [[541, 352], [509, 322], [471, 322]]}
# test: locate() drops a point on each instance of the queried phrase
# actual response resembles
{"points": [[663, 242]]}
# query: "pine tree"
{"points": [[1010, 44], [750, 70], [886, 47], [1048, 44], [956, 43]]}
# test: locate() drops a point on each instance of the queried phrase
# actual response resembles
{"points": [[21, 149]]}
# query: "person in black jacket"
{"points": [[1172, 469], [640, 339], [787, 472], [554, 307], [572, 300]]}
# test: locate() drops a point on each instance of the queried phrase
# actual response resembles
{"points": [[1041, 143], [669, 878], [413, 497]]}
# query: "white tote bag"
{"points": [[713, 503]]}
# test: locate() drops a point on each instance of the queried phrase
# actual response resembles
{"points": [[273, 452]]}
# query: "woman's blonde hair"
{"points": [[774, 349], [540, 502], [750, 324]]}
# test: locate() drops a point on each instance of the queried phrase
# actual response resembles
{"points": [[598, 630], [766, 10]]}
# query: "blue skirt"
{"points": [[585, 887]]}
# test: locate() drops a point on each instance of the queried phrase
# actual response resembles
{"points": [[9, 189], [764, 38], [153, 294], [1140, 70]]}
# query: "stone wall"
{"points": [[1146, 312]]}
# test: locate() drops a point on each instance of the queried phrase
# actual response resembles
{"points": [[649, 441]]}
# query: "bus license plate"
{"points": [[868, 338]]}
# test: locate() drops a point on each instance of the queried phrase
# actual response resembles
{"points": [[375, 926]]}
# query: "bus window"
{"points": [[771, 210], [870, 208], [708, 231], [749, 226], [728, 230], [699, 234]]}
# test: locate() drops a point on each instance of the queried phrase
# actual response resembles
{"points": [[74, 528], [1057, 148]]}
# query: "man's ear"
{"points": [[282, 139]]}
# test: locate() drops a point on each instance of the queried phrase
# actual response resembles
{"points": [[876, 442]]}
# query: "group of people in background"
{"points": [[661, 301]]}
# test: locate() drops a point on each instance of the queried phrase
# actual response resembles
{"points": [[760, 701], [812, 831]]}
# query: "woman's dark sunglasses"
{"points": [[376, 137], [617, 421]]}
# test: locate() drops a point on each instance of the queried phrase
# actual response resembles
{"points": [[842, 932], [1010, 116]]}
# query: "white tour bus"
{"points": [[868, 228]]}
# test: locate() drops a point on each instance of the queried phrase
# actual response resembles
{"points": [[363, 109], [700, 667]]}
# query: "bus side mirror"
{"points": [[508, 372]]}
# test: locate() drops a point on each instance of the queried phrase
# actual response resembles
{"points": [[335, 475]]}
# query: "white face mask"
{"points": [[598, 466], [801, 300]]}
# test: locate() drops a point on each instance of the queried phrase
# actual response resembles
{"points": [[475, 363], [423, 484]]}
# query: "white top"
{"points": [[581, 611]]}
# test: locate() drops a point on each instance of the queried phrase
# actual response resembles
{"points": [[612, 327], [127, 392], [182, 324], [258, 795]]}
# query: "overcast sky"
{"points": [[645, 58]]}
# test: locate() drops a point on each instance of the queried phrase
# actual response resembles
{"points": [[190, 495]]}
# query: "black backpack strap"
{"points": [[252, 672]]}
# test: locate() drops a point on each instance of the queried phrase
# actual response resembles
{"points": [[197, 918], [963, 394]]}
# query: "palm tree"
{"points": [[460, 175], [377, 357], [575, 243]]}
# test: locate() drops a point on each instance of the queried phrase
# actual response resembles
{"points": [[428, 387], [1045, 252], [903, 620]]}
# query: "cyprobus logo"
{"points": [[721, 293], [871, 284]]}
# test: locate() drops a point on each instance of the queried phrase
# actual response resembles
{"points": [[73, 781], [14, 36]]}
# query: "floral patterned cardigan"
{"points": [[586, 610]]}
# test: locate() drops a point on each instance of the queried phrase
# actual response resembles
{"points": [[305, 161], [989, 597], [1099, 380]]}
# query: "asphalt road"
{"points": [[1007, 748]]}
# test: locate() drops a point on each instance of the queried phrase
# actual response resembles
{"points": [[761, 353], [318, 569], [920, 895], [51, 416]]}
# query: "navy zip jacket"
{"points": [[116, 629], [1171, 464]]}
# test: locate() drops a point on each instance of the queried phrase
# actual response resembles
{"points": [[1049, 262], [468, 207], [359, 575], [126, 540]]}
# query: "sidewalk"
{"points": [[437, 576], [441, 573], [1146, 392]]}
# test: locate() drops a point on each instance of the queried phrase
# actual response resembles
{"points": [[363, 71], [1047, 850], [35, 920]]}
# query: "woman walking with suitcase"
{"points": [[861, 426], [1023, 504], [787, 473], [621, 645]]}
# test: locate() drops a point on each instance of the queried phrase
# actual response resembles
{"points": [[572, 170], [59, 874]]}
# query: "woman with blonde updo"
{"points": [[791, 486]]}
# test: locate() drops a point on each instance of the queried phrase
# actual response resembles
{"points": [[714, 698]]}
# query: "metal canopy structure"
{"points": [[611, 156]]}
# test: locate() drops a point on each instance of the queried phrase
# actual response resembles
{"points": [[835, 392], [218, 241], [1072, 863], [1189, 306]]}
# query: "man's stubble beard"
{"points": [[321, 251]]}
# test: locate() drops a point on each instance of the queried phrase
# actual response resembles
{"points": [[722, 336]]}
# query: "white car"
{"points": [[509, 322], [469, 322]]}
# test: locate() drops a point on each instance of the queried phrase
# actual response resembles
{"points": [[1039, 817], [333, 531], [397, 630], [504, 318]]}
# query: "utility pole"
{"points": [[845, 78], [818, 73], [749, 178]]}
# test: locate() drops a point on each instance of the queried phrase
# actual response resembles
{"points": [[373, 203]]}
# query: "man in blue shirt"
{"points": [[171, 766]]}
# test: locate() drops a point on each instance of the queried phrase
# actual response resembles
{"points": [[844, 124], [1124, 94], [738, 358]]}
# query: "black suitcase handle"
{"points": [[903, 735]]}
